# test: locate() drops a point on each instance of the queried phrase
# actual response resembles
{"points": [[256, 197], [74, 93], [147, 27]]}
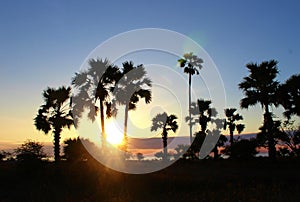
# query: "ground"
{"points": [[207, 180]]}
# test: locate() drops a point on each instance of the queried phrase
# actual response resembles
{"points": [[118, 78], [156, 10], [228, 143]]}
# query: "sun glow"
{"points": [[114, 134]]}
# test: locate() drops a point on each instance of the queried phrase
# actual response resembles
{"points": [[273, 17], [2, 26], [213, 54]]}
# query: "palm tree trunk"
{"points": [[102, 123], [269, 125], [231, 137], [57, 145], [216, 152], [165, 144], [125, 126], [190, 116]]}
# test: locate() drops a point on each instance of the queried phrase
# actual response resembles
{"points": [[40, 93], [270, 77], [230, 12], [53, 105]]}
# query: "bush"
{"points": [[30, 151], [243, 149]]}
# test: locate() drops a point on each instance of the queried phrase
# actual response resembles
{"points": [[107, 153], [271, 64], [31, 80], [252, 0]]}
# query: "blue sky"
{"points": [[43, 43]]}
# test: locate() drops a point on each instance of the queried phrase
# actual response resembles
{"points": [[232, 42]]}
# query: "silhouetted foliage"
{"points": [[30, 151], [191, 65], [133, 86], [167, 123], [75, 149], [55, 114], [203, 113], [275, 131], [95, 84], [288, 136], [140, 156], [289, 96], [5, 155], [242, 149], [230, 122], [161, 155], [261, 87], [2, 156], [181, 151]]}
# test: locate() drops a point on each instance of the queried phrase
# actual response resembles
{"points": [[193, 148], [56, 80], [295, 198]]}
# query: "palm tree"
{"points": [[289, 95], [167, 123], [261, 87], [95, 84], [203, 111], [191, 63], [55, 114], [230, 122], [133, 86]]}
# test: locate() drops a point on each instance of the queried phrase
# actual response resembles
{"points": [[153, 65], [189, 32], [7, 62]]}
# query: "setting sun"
{"points": [[114, 134]]}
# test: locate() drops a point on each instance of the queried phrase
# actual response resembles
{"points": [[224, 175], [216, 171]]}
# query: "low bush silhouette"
{"points": [[242, 149]]}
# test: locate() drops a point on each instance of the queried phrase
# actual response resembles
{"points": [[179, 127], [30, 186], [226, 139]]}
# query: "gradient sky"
{"points": [[43, 43]]}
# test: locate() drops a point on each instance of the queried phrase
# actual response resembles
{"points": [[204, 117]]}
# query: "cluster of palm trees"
{"points": [[110, 86], [261, 87], [102, 83]]}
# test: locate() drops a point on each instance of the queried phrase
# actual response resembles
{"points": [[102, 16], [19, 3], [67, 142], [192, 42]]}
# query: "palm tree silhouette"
{"points": [[230, 122], [55, 114], [289, 95], [167, 123], [202, 114], [95, 84], [205, 113], [191, 63], [261, 87], [133, 85]]}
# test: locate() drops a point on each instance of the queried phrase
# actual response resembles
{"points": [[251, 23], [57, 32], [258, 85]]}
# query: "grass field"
{"points": [[224, 180]]}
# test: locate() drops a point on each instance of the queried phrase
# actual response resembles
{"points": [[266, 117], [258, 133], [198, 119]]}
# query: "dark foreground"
{"points": [[224, 180]]}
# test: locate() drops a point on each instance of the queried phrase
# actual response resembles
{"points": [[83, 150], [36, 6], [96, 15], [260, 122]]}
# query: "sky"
{"points": [[43, 43]]}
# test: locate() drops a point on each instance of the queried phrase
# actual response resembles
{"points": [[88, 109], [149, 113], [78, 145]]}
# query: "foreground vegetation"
{"points": [[207, 180]]}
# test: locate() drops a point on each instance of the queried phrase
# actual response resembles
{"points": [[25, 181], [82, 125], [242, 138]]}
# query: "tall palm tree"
{"points": [[191, 64], [167, 123], [289, 95], [231, 124], [95, 84], [55, 114], [261, 87], [133, 86]]}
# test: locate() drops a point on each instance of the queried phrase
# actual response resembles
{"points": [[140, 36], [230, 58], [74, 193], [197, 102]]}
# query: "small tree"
{"points": [[30, 151], [167, 123], [288, 135], [140, 156], [74, 149], [159, 155], [230, 122]]}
